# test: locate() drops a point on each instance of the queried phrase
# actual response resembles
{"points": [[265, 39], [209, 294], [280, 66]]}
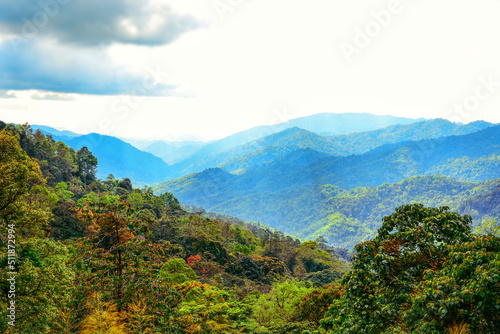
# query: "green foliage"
{"points": [[347, 217], [207, 309], [277, 307], [243, 249], [272, 268], [176, 271], [23, 197], [387, 270], [250, 269], [87, 165], [120, 267], [56, 160], [43, 284], [313, 306], [340, 230], [170, 200], [62, 191], [293, 328], [469, 169], [488, 227], [323, 277], [287, 192], [466, 290]]}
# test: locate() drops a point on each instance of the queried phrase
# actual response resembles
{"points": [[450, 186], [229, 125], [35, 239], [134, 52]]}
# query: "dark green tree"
{"points": [[466, 291], [87, 165], [387, 270]]}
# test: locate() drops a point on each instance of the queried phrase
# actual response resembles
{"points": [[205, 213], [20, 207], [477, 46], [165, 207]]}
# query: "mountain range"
{"points": [[119, 158], [334, 175], [286, 188], [122, 159]]}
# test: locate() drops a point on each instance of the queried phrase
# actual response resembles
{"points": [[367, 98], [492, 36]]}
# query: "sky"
{"points": [[205, 69]]}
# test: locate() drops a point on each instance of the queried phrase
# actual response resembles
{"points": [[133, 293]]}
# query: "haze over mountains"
{"points": [[122, 159], [290, 192], [278, 145], [334, 175]]}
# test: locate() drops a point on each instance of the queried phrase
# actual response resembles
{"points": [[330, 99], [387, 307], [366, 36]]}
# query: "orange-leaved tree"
{"points": [[107, 225]]}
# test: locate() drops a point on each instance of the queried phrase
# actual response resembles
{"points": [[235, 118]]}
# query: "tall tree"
{"points": [[42, 282], [107, 227], [21, 190], [387, 270], [87, 165]]}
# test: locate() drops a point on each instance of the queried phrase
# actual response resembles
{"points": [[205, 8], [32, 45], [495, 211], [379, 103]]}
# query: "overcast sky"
{"points": [[209, 68]]}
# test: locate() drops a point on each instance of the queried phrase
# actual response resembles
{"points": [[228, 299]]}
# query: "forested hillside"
{"points": [[254, 148], [96, 255], [347, 217], [100, 256], [291, 193]]}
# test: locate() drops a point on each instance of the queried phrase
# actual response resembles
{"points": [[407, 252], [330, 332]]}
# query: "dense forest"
{"points": [[81, 254], [341, 187]]}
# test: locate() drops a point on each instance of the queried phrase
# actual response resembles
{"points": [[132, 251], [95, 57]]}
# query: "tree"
{"points": [[103, 317], [114, 261], [87, 165], [206, 309], [323, 277], [22, 193], [125, 184], [170, 201], [312, 257], [488, 227], [278, 306], [313, 306], [43, 284], [271, 268], [110, 183], [466, 290], [107, 227], [322, 243], [387, 270], [176, 271]]}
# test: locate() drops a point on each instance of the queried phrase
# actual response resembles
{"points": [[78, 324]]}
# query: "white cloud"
{"points": [[52, 96], [6, 94], [272, 54]]}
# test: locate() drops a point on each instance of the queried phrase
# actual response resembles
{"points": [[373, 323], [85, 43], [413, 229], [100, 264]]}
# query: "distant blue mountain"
{"points": [[173, 152], [249, 194], [54, 132], [330, 124], [211, 155], [277, 145], [120, 159]]}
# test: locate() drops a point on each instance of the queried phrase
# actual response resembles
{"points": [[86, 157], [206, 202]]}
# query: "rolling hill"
{"points": [[278, 145], [287, 192], [214, 153]]}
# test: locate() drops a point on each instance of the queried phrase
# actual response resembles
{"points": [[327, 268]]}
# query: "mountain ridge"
{"points": [[285, 178], [120, 158]]}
